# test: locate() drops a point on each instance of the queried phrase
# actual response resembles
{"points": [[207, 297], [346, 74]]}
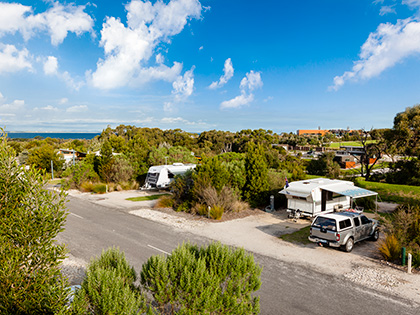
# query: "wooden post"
{"points": [[410, 257]]}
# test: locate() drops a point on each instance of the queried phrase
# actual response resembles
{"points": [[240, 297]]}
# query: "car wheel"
{"points": [[375, 235], [349, 245]]}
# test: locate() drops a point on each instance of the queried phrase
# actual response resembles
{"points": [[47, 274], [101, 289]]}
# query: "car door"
{"points": [[366, 227], [358, 229]]}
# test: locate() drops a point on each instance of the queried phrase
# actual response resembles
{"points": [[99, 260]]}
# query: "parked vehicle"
{"points": [[343, 229], [161, 176]]}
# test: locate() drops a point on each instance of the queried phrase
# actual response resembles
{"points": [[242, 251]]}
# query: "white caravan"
{"points": [[321, 195], [161, 176]]}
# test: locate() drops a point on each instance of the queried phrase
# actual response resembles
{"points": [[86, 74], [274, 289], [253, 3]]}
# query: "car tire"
{"points": [[348, 247], [375, 235]]}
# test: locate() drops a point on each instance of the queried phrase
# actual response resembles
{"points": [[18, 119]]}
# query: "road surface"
{"points": [[286, 288]]}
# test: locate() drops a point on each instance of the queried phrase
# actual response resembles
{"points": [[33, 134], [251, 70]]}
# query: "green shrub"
{"points": [[109, 287], [99, 188], [30, 219], [87, 187], [390, 248], [78, 174], [164, 202], [113, 259], [216, 212], [215, 279]]}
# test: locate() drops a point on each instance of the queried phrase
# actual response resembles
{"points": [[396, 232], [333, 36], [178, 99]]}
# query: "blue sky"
{"points": [[210, 64]]}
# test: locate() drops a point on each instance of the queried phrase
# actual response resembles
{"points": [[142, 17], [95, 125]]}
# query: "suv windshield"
{"points": [[325, 223]]}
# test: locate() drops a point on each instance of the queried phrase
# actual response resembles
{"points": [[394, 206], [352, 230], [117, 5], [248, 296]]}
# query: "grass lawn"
{"points": [[392, 192], [300, 236], [337, 145], [145, 198]]}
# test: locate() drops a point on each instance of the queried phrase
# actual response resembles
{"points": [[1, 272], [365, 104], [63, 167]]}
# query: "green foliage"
{"points": [[165, 202], [182, 190], [30, 219], [41, 157], [109, 287], [212, 171], [216, 212], [99, 188], [324, 166], [78, 174], [256, 185], [120, 170], [403, 230], [390, 248], [209, 280], [169, 155]]}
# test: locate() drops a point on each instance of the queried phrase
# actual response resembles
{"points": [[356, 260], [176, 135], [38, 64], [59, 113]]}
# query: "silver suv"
{"points": [[343, 229]]}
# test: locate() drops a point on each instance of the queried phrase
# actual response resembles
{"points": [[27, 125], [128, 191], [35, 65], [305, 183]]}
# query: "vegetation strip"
{"points": [[146, 198]]}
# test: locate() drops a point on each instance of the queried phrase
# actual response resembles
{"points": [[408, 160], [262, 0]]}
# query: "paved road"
{"points": [[285, 289]]}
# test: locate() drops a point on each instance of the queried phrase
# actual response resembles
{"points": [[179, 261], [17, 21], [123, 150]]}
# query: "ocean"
{"points": [[54, 135]]}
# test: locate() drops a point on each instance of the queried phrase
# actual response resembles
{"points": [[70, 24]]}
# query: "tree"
{"points": [[256, 170], [30, 219], [407, 128], [372, 152], [42, 156], [215, 279], [212, 172]]}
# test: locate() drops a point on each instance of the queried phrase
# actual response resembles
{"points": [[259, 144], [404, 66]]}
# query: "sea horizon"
{"points": [[52, 134]]}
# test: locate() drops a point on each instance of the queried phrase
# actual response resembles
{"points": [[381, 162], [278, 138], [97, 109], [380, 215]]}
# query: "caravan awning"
{"points": [[294, 193], [348, 190]]}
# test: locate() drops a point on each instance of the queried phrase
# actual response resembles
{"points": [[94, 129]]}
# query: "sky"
{"points": [[197, 65]]}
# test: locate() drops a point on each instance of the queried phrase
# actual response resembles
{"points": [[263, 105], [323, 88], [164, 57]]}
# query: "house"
{"points": [[322, 195], [71, 156]]}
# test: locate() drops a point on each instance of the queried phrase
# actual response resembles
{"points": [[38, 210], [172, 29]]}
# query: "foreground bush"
{"points": [[30, 219], [214, 279], [209, 280], [108, 287]]}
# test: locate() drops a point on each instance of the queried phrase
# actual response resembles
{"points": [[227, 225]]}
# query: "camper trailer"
{"points": [[321, 195], [161, 176]]}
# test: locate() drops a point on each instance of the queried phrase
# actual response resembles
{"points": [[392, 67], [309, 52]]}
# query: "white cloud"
{"points": [[201, 48], [412, 3], [387, 46], [250, 82], [160, 59], [57, 21], [239, 101], [227, 75], [12, 59], [387, 9], [47, 108], [51, 68], [180, 120], [183, 86], [50, 65], [168, 106], [129, 48], [14, 106], [64, 100], [77, 109]]}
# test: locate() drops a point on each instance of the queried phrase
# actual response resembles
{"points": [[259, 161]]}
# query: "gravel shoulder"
{"points": [[259, 233]]}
